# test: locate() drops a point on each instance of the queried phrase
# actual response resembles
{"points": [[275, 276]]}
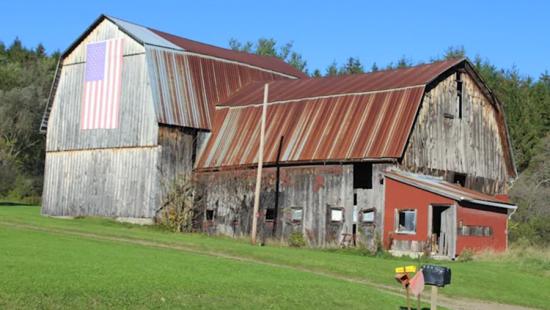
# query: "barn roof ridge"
{"points": [[150, 36], [334, 86]]}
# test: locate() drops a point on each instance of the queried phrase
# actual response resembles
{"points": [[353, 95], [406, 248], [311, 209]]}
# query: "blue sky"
{"points": [[514, 33]]}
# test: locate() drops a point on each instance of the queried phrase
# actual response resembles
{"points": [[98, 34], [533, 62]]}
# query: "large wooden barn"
{"points": [[416, 159], [168, 90]]}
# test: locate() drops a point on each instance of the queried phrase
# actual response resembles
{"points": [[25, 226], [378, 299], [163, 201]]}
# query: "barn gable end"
{"points": [[108, 172], [472, 142]]}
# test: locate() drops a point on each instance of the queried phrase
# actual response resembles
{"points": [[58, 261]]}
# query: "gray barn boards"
{"points": [[192, 108], [167, 98]]}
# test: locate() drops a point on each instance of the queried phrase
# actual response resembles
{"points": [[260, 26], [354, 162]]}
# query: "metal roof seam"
{"points": [[185, 52]]}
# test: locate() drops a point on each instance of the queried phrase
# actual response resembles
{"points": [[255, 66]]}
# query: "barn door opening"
{"points": [[443, 234]]}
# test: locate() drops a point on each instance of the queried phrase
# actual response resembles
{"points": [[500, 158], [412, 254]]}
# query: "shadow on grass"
{"points": [[13, 204]]}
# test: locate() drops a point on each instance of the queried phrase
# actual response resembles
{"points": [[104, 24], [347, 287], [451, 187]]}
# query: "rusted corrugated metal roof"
{"points": [[186, 87], [266, 62], [333, 129], [337, 119], [446, 189], [318, 87]]}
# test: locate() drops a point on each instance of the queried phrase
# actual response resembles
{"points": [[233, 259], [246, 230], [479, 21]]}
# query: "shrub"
{"points": [[466, 255], [296, 240], [178, 209]]}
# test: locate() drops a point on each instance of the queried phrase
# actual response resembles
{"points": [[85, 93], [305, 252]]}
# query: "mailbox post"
{"points": [[436, 276]]}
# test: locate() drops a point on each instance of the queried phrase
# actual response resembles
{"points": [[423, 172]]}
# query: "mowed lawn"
{"points": [[53, 263], [52, 270]]}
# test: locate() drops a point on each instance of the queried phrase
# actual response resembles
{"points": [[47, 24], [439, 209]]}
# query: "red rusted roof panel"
{"points": [[376, 81], [265, 62], [331, 129]]}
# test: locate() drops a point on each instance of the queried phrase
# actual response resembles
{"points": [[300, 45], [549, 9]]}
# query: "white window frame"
{"points": [[339, 218], [396, 223], [369, 210], [293, 212]]}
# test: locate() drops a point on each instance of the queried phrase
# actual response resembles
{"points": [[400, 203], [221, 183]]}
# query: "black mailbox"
{"points": [[436, 275]]}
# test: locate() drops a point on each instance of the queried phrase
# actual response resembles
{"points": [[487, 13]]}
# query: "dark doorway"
{"points": [[436, 226], [362, 175]]}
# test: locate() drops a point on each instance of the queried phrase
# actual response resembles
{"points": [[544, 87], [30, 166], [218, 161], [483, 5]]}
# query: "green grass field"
{"points": [[98, 263]]}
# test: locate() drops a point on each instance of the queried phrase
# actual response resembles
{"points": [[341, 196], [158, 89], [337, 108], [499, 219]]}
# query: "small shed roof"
{"points": [[453, 191]]}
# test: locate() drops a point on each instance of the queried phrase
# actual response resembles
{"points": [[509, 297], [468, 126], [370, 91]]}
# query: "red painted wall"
{"points": [[474, 217], [402, 196]]}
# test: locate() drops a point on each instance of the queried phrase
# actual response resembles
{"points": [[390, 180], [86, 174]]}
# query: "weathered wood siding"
{"points": [[105, 30], [177, 154], [103, 172], [368, 234], [314, 189], [102, 182], [138, 125], [472, 144]]}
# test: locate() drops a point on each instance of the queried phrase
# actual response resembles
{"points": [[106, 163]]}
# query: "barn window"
{"points": [[270, 214], [336, 214], [459, 178], [297, 214], [362, 175], [367, 216], [479, 231], [406, 221], [459, 89], [209, 215]]}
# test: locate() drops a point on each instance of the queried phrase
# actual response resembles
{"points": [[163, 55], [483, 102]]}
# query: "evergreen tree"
{"points": [[352, 66], [268, 47], [374, 67], [332, 69]]}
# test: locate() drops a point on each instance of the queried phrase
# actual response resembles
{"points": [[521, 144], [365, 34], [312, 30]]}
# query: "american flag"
{"points": [[102, 83]]}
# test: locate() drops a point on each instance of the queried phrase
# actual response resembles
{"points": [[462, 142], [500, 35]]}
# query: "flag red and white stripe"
{"points": [[102, 85]]}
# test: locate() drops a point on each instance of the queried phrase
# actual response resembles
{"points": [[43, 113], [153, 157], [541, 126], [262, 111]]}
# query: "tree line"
{"points": [[26, 75]]}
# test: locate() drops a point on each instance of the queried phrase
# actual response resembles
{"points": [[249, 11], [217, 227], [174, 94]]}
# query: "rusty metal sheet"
{"points": [[446, 189], [186, 88], [319, 87], [265, 62], [332, 129]]}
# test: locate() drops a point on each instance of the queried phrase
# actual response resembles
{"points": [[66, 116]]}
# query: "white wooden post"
{"points": [[260, 166]]}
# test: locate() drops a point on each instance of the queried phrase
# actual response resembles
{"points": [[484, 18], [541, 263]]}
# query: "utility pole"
{"points": [[255, 213]]}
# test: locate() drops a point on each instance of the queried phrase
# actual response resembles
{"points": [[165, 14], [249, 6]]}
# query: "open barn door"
{"points": [[447, 238], [442, 228]]}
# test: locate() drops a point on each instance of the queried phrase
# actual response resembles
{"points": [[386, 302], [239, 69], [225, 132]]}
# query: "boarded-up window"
{"points": [[479, 231], [336, 215], [297, 214], [367, 216]]}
